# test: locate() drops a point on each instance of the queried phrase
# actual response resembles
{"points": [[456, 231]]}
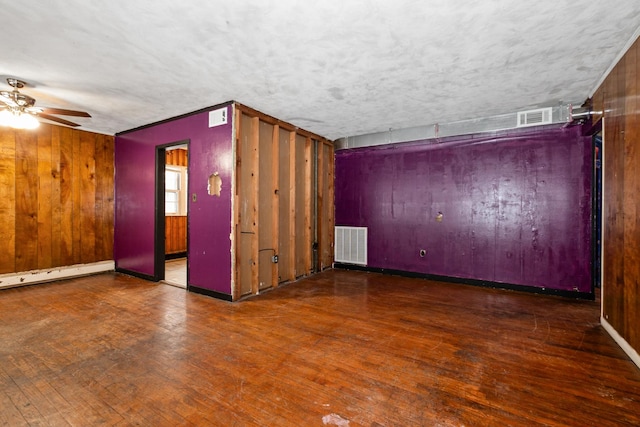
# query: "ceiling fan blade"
{"points": [[57, 120], [64, 112], [7, 100]]}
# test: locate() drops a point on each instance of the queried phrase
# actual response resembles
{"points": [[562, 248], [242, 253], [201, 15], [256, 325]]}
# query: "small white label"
{"points": [[218, 117]]}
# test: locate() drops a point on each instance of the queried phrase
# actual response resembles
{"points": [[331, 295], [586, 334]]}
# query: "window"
{"points": [[175, 190]]}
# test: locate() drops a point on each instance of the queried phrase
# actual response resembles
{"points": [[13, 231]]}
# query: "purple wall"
{"points": [[516, 206], [210, 150]]}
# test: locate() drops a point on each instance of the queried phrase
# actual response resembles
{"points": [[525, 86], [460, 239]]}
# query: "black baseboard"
{"points": [[136, 274], [209, 293], [175, 255], [474, 282]]}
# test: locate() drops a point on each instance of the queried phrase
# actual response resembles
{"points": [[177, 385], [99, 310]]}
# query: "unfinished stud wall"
{"points": [[325, 205], [282, 206]]}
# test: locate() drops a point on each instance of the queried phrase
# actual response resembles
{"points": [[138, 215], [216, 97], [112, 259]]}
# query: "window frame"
{"points": [[181, 191]]}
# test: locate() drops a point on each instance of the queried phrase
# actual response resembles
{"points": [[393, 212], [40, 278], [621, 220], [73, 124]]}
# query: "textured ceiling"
{"points": [[336, 68]]}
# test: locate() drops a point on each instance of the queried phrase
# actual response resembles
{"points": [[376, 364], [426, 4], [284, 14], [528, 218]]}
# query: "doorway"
{"points": [[172, 188], [597, 210]]}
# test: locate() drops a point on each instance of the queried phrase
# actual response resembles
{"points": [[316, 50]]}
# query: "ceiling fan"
{"points": [[17, 109]]}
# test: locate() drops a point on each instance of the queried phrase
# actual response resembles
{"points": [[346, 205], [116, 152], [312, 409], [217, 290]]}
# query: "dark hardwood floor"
{"points": [[341, 346]]}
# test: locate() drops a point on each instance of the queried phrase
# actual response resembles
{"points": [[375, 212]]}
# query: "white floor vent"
{"points": [[351, 245], [541, 116]]}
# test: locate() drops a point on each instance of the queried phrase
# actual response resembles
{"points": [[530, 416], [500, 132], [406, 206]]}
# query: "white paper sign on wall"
{"points": [[218, 117]]}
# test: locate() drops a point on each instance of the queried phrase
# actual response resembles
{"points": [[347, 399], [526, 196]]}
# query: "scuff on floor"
{"points": [[334, 419]]}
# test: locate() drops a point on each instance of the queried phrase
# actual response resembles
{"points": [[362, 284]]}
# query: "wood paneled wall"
{"points": [[618, 98], [177, 157], [175, 234], [283, 175], [176, 226], [56, 198]]}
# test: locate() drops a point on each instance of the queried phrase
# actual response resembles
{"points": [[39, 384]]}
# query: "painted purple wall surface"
{"points": [[210, 151], [516, 206]]}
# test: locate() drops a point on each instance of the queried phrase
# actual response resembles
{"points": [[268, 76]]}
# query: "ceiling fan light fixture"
{"points": [[18, 120], [6, 118], [17, 109], [27, 121]]}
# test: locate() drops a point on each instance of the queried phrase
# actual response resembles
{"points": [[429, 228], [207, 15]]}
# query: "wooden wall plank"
{"points": [[56, 206], [175, 234], [66, 197], [107, 175], [255, 212], [7, 201], [44, 216], [76, 197], [325, 208], [308, 205], [265, 203], [320, 225], [246, 205], [87, 197], [236, 243], [98, 205], [293, 203], [300, 233], [26, 201], [177, 157], [275, 203], [285, 270]]}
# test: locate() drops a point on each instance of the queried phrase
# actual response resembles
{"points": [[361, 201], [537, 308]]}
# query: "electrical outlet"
{"points": [[274, 259]]}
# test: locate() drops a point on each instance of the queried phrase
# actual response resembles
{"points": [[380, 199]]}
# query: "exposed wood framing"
{"points": [[292, 205], [329, 211], [308, 205], [236, 260], [266, 189], [274, 201], [253, 213], [275, 204]]}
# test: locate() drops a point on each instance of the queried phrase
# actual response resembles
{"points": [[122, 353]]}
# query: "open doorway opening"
{"points": [[597, 209], [172, 161]]}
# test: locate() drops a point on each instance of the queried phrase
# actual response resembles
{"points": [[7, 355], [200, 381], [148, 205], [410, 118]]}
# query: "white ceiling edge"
{"points": [[615, 61]]}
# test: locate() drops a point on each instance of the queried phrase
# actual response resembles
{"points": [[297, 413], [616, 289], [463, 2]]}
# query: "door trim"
{"points": [[159, 222]]}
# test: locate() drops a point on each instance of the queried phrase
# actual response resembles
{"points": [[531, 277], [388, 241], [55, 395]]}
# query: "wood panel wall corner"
{"points": [[618, 100]]}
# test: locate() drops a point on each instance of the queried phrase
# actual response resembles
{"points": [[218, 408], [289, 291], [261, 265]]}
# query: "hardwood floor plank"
{"points": [[372, 349], [10, 414]]}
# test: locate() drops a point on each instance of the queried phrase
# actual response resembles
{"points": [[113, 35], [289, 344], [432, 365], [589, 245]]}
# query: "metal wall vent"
{"points": [[351, 245], [541, 116]]}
